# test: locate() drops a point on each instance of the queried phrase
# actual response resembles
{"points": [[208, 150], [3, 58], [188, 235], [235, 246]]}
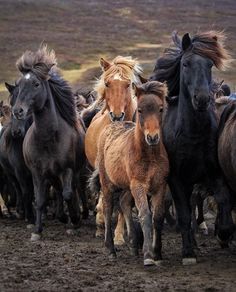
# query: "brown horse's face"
{"points": [[150, 109], [118, 96]]}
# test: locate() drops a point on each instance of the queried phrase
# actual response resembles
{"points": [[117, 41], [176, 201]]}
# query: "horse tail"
{"points": [[94, 182]]}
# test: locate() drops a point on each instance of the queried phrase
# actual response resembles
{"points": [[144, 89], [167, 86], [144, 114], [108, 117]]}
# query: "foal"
{"points": [[132, 157]]}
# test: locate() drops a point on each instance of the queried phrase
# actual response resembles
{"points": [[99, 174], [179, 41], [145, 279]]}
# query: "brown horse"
{"points": [[115, 91], [132, 157], [114, 88]]}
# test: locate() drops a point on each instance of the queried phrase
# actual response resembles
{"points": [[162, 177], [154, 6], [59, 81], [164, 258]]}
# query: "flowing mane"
{"points": [[43, 64], [127, 69], [207, 44]]}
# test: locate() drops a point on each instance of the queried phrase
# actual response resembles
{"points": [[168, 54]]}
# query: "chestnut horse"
{"points": [[115, 91], [132, 157]]}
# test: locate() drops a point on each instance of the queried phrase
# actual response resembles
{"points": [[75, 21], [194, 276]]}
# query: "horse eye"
{"points": [[161, 109], [36, 84], [185, 64], [139, 110], [106, 84]]}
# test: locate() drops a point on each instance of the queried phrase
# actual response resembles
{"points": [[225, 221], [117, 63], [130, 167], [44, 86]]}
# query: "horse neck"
{"points": [[141, 148], [190, 120], [46, 120]]}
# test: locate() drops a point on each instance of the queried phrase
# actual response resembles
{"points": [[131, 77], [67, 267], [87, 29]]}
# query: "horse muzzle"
{"points": [[19, 113], [152, 139], [201, 103], [115, 118]]}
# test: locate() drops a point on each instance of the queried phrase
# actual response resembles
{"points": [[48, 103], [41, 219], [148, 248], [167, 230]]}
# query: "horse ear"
{"points": [[142, 79], [137, 90], [104, 64], [186, 42], [9, 87]]}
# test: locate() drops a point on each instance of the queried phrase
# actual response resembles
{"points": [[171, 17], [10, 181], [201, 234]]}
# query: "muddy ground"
{"points": [[63, 262], [81, 32]]}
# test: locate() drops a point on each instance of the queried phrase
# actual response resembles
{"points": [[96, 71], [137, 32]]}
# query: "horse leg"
{"points": [[139, 193], [40, 187], [60, 214], [224, 226], [19, 199], [100, 217], [67, 177], [83, 196], [73, 208], [158, 207], [181, 198], [126, 207], [200, 219], [168, 203], [27, 196], [120, 230]]}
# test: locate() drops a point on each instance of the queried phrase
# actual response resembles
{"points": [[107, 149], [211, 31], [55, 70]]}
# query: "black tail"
{"points": [[94, 182]]}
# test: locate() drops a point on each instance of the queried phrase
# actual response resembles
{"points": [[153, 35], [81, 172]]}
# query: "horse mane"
{"points": [[43, 64], [64, 98], [154, 87], [39, 62], [208, 44], [127, 69]]}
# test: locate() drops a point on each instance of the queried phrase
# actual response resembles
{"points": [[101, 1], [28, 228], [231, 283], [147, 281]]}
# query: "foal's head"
{"points": [[151, 103], [33, 88], [114, 86]]}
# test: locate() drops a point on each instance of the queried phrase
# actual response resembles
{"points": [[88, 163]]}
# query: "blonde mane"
{"points": [[125, 67]]}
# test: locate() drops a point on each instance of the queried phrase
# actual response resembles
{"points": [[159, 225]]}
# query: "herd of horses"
{"points": [[137, 140]]}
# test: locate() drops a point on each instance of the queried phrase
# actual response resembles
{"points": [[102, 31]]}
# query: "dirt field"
{"points": [[79, 263], [81, 32]]}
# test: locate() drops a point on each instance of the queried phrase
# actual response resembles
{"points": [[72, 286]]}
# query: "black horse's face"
{"points": [[196, 74], [31, 97]]}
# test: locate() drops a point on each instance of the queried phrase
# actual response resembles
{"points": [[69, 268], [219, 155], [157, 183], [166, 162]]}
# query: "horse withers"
{"points": [[132, 158]]}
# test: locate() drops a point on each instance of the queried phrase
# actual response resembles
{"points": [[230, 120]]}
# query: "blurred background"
{"points": [[82, 31]]}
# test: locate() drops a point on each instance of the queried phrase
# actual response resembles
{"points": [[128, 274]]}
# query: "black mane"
{"points": [[63, 98]]}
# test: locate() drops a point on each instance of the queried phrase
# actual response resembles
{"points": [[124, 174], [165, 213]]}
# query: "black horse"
{"points": [[12, 160], [190, 130], [54, 144]]}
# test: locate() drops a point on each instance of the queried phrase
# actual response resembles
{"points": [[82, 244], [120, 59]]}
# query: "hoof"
{"points": [[30, 226], [158, 263], [35, 237], [63, 218], [112, 256], [148, 262], [134, 251], [203, 228], [19, 216], [189, 261], [119, 241], [71, 232], [99, 233], [67, 195], [223, 243]]}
